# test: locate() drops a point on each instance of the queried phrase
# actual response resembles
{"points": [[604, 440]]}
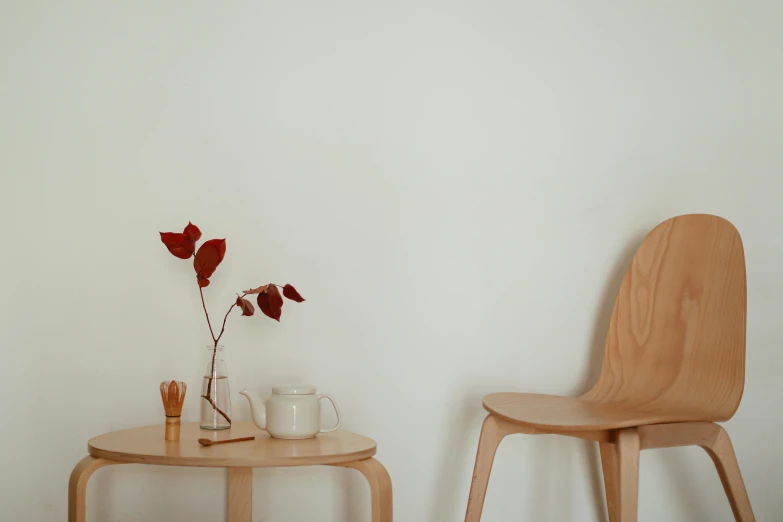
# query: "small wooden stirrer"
{"points": [[173, 395]]}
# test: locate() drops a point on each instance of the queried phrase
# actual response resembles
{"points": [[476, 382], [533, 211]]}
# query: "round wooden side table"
{"points": [[147, 446]]}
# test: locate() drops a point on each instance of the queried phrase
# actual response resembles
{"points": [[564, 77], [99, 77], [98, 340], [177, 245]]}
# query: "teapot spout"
{"points": [[257, 408]]}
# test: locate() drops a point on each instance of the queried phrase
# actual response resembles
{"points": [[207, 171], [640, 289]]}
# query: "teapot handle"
{"points": [[336, 410]]}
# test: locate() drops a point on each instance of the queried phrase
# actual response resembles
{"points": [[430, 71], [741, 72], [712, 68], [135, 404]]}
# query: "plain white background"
{"points": [[455, 187]]}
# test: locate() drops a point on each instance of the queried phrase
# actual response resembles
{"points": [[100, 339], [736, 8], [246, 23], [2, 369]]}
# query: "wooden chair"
{"points": [[674, 364]]}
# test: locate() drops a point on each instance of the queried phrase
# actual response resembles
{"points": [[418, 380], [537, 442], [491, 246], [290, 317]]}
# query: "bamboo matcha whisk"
{"points": [[173, 395]]}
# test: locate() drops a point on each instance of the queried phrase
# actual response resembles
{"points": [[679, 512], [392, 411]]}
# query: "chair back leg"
{"points": [[722, 453], [620, 462], [715, 441]]}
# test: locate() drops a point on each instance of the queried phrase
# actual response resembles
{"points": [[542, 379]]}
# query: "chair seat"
{"points": [[556, 413]]}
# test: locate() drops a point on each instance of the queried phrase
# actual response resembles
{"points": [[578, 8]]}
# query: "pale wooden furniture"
{"points": [[674, 364], [148, 446]]}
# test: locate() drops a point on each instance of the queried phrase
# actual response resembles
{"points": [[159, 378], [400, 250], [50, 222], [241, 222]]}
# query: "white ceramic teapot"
{"points": [[293, 412]]}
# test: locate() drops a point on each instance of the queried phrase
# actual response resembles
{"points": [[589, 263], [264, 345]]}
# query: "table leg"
{"points": [[77, 486], [240, 495], [380, 487]]}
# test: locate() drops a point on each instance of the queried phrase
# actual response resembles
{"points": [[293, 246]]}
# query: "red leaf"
{"points": [[259, 290], [208, 257], [291, 293], [192, 232], [178, 244], [202, 281], [246, 306], [271, 302]]}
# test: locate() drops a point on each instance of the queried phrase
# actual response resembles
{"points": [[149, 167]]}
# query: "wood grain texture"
{"points": [[675, 350], [77, 486], [674, 363], [628, 472], [380, 487], [239, 505], [148, 446], [611, 483]]}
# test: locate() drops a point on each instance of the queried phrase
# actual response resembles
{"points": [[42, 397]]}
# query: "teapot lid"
{"points": [[299, 389]]}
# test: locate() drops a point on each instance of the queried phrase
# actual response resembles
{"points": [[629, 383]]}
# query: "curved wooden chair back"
{"points": [[676, 341]]}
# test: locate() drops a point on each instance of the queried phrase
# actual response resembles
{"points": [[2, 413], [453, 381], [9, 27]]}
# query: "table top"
{"points": [[147, 445]]}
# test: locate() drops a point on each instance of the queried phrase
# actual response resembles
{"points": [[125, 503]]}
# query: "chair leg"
{"points": [[715, 441], [492, 432], [722, 453], [628, 468], [609, 466]]}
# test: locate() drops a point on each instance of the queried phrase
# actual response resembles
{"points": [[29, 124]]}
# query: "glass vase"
{"points": [[215, 395]]}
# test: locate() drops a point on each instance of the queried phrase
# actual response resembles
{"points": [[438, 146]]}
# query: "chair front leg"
{"points": [[609, 468], [492, 432], [628, 471]]}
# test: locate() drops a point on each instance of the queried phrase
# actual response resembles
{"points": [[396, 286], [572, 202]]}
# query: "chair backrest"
{"points": [[676, 341]]}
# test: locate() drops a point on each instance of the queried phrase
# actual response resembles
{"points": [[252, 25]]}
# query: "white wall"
{"points": [[453, 186]]}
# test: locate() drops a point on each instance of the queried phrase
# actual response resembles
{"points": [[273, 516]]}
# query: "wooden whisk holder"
{"points": [[172, 428]]}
